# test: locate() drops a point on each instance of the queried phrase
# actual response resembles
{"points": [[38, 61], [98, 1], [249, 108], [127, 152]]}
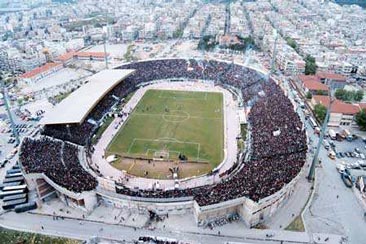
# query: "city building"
{"points": [[312, 84], [40, 72], [341, 114]]}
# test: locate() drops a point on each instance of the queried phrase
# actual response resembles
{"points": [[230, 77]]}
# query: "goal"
{"points": [[161, 154]]}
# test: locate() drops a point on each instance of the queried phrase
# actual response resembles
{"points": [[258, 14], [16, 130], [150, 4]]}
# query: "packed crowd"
{"points": [[81, 134], [275, 161], [58, 161], [278, 148], [220, 72]]}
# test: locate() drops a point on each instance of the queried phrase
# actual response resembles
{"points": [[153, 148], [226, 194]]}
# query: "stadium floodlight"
{"points": [[4, 91], [273, 61], [321, 137], [105, 34]]}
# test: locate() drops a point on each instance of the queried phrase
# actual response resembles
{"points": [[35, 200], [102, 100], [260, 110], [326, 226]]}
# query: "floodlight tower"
{"points": [[4, 91], [321, 137], [105, 33], [105, 50], [273, 60]]}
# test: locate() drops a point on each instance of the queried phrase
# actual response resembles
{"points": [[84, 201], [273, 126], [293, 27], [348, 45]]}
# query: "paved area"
{"points": [[335, 208], [102, 214], [86, 229]]}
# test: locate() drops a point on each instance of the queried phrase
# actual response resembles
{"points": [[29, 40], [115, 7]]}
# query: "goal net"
{"points": [[161, 154]]}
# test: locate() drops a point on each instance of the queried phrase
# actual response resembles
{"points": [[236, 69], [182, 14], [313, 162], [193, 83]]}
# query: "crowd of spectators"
{"points": [[81, 134], [276, 157], [58, 161], [278, 147], [278, 141]]}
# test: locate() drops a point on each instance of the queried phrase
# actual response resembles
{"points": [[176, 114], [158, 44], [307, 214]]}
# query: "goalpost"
{"points": [[161, 154]]}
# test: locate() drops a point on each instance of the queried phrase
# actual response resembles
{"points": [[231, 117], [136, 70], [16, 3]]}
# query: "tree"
{"points": [[310, 65], [321, 93], [292, 43], [207, 43], [361, 119], [358, 96], [340, 94], [320, 112], [309, 95], [347, 96]]}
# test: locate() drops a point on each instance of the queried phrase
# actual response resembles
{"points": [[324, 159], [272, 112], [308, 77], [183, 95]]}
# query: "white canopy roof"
{"points": [[76, 107]]}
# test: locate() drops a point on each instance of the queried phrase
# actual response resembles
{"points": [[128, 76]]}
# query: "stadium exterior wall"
{"points": [[87, 197], [251, 212], [160, 208]]}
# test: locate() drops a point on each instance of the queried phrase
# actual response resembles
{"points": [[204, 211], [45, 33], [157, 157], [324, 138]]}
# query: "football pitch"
{"points": [[171, 124]]}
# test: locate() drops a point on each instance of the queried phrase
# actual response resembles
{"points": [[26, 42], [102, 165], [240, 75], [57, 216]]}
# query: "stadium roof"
{"points": [[76, 107]]}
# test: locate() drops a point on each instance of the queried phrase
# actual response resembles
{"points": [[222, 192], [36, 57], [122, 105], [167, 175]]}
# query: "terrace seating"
{"points": [[275, 159]]}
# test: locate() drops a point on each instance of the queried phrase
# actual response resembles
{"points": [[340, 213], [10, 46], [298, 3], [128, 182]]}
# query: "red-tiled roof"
{"points": [[331, 76], [338, 106], [39, 70], [92, 54], [362, 105], [308, 77], [69, 55], [312, 82], [66, 56]]}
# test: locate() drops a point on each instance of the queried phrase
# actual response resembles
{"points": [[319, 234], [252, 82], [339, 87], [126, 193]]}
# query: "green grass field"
{"points": [[16, 237], [169, 123]]}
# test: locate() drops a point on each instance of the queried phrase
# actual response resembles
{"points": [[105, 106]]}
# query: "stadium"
{"points": [[208, 137]]}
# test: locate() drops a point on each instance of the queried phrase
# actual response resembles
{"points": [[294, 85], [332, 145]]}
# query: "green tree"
{"points": [[321, 93], [320, 112], [310, 65], [207, 42], [309, 95], [292, 43], [340, 94], [361, 119], [358, 96], [178, 33], [347, 96]]}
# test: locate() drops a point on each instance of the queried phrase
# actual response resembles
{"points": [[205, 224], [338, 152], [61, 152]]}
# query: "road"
{"points": [[84, 230], [332, 214], [334, 208]]}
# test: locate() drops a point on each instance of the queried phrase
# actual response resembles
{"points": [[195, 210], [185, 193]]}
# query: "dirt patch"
{"points": [[160, 169]]}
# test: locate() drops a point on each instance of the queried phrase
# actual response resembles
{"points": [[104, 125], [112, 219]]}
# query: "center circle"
{"points": [[175, 116]]}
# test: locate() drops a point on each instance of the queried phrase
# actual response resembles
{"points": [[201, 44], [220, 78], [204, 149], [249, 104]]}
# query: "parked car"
{"points": [[340, 167], [326, 144]]}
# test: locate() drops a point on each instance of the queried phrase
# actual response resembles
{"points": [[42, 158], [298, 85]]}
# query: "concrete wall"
{"points": [[161, 208], [89, 198]]}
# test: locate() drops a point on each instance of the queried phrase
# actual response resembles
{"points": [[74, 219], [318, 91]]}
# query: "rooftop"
{"points": [[331, 76], [69, 55], [338, 106], [39, 70], [312, 82], [76, 107]]}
